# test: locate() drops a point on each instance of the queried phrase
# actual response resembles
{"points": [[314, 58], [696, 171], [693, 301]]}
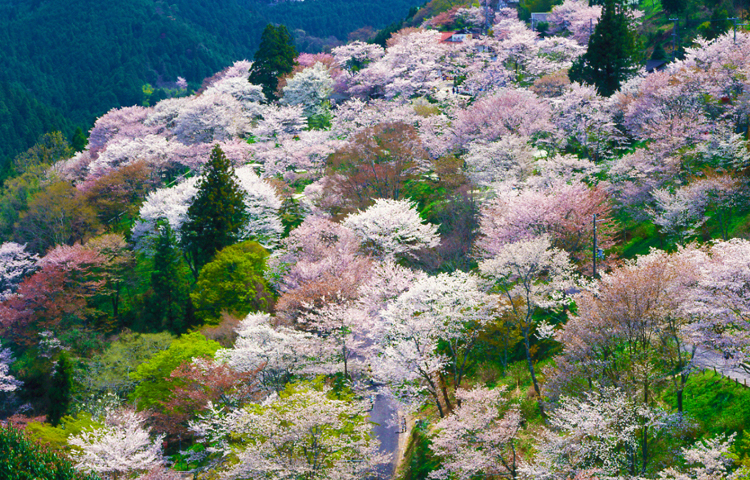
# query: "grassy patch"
{"points": [[718, 404]]}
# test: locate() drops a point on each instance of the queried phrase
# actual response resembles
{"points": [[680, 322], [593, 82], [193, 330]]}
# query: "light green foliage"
{"points": [[152, 375], [57, 437], [232, 282], [30, 171], [111, 371]]}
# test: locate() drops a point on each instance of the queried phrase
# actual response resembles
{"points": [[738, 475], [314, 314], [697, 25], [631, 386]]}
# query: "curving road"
{"points": [[384, 414]]}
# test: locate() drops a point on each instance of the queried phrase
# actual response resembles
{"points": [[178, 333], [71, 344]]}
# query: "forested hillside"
{"points": [[502, 253], [77, 59]]}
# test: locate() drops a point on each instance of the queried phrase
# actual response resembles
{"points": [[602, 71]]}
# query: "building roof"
{"points": [[652, 65], [445, 36]]}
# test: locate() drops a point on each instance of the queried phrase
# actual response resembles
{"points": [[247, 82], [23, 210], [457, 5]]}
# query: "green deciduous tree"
{"points": [[110, 371], [154, 385], [275, 57], [233, 282], [612, 52], [217, 215]]}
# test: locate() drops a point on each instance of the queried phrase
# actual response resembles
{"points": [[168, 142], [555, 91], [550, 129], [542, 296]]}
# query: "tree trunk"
{"points": [[527, 347]]}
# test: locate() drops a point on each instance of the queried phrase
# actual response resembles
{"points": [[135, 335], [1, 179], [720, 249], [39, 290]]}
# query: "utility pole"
{"points": [[591, 26], [674, 38], [734, 21], [594, 249]]}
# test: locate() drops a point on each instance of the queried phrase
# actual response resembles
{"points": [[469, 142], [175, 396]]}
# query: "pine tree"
{"points": [[275, 57], [79, 140], [59, 393], [217, 215], [611, 54], [169, 303]]}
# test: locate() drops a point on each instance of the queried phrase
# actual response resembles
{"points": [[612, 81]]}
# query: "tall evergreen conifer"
{"points": [[275, 57], [79, 140], [612, 52], [168, 307], [217, 215], [59, 393]]}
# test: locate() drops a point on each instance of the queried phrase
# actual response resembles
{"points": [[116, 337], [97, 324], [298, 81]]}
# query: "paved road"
{"points": [[385, 415], [711, 359]]}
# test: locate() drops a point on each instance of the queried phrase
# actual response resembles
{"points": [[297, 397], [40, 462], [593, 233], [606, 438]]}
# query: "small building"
{"points": [[454, 37]]}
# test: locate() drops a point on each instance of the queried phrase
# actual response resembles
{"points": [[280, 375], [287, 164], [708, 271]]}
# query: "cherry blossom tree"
{"points": [[277, 121], [319, 263], [262, 205], [509, 111], [679, 214], [154, 150], [602, 431], [338, 325], [57, 292], [210, 117], [410, 67], [294, 156], [720, 300], [15, 265], [356, 55], [169, 204], [196, 383], [475, 439], [275, 353], [8, 382], [376, 163], [708, 459], [447, 308], [530, 275], [666, 111], [355, 115], [508, 159], [585, 121], [638, 309], [304, 433], [120, 447], [310, 88], [392, 228], [563, 211], [576, 17], [127, 122]]}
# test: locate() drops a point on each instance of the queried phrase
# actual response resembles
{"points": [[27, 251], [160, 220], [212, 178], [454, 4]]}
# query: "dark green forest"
{"points": [[62, 64]]}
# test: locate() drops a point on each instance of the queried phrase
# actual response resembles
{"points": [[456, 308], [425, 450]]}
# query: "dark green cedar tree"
{"points": [[612, 52], [216, 216], [168, 306], [59, 393], [78, 142], [275, 57]]}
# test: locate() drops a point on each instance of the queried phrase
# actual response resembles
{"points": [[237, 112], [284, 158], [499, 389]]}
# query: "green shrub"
{"points": [[24, 459]]}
